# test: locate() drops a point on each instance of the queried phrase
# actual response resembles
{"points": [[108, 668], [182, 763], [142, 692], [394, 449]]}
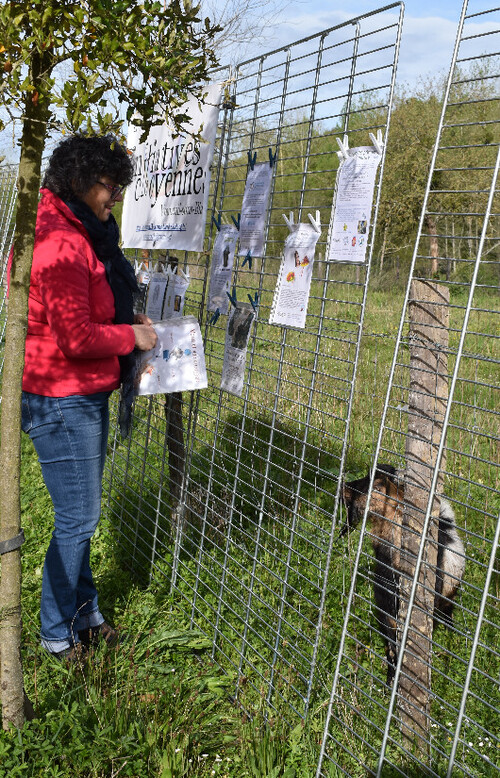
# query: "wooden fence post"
{"points": [[428, 397], [175, 441]]}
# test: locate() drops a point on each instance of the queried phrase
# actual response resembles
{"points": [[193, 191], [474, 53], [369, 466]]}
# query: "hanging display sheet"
{"points": [[155, 295], [178, 282], [254, 209], [165, 206], [143, 276], [222, 268], [352, 206], [177, 363], [235, 350], [291, 295]]}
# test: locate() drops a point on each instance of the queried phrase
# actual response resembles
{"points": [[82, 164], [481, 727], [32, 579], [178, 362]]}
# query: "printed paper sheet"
{"points": [[254, 210], [177, 363], [291, 295], [352, 207], [235, 352], [222, 268]]}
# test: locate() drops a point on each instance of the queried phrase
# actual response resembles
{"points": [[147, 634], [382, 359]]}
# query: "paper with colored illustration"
{"points": [[291, 296], [177, 363], [352, 206]]}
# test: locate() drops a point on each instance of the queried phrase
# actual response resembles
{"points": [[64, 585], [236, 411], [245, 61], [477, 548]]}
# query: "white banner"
{"points": [[165, 206], [352, 205]]}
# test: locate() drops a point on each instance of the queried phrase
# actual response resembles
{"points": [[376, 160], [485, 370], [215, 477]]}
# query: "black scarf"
{"points": [[104, 237]]}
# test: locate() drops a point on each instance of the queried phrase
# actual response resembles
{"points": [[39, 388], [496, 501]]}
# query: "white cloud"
{"points": [[427, 42]]}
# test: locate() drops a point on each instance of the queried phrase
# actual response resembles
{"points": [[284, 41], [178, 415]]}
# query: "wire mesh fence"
{"points": [[438, 715], [231, 498]]}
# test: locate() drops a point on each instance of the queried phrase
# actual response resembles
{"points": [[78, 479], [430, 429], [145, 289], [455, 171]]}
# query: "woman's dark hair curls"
{"points": [[79, 161]]}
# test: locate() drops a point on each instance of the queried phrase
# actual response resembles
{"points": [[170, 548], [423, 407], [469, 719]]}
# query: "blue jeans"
{"points": [[70, 437]]}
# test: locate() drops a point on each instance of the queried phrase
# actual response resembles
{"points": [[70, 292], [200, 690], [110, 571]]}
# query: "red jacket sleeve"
{"points": [[77, 299]]}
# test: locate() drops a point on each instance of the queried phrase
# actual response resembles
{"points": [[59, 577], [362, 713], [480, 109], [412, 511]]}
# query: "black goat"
{"points": [[386, 513]]}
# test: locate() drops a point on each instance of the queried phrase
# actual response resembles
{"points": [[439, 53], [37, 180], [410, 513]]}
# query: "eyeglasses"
{"points": [[115, 191]]}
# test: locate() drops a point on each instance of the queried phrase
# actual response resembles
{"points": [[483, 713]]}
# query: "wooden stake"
{"points": [[428, 398]]}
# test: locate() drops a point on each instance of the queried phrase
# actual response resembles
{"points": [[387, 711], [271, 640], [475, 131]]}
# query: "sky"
{"points": [[428, 37], [429, 29]]}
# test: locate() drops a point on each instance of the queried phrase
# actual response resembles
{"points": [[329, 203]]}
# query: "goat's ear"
{"points": [[380, 482]]}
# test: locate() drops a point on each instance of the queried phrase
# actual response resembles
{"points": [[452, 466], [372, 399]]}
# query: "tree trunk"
{"points": [[32, 144], [428, 398]]}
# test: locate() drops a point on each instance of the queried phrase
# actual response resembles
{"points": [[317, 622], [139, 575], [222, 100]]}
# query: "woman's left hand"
{"points": [[141, 318]]}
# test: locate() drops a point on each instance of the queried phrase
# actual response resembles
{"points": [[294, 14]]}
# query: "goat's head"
{"points": [[355, 496]]}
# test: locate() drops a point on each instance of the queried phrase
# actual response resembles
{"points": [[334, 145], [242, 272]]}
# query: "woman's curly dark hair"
{"points": [[79, 161]]}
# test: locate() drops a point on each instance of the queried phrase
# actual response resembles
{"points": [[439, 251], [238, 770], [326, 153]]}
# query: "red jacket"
{"points": [[72, 345]]}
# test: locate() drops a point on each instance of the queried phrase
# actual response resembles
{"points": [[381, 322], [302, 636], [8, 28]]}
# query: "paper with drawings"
{"points": [[177, 363], [222, 268], [352, 206], [235, 350], [143, 275], [178, 282], [291, 295]]}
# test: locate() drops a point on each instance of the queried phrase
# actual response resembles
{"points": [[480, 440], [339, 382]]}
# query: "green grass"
{"points": [[160, 706], [157, 706]]}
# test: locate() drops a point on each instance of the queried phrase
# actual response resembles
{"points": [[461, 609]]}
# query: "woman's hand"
{"points": [[145, 336], [141, 318]]}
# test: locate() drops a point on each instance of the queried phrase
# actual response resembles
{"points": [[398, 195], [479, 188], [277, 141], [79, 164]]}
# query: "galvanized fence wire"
{"points": [[458, 732], [8, 178], [238, 515]]}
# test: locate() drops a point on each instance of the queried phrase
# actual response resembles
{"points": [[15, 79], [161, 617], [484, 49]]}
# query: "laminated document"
{"points": [[177, 363]]}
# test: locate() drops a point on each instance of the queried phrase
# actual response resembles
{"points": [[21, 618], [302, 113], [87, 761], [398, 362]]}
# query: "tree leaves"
{"points": [[137, 54]]}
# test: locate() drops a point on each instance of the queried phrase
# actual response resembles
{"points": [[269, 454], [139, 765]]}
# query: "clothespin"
{"points": [[377, 142], [215, 316], [236, 221], [344, 147], [232, 297], [289, 221], [316, 223], [272, 157], [217, 221], [251, 159], [254, 302], [248, 259]]}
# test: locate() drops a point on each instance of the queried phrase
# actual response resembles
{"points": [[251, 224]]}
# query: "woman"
{"points": [[81, 335]]}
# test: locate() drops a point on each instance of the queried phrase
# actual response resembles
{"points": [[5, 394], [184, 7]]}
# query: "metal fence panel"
{"points": [[237, 507], [460, 227]]}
